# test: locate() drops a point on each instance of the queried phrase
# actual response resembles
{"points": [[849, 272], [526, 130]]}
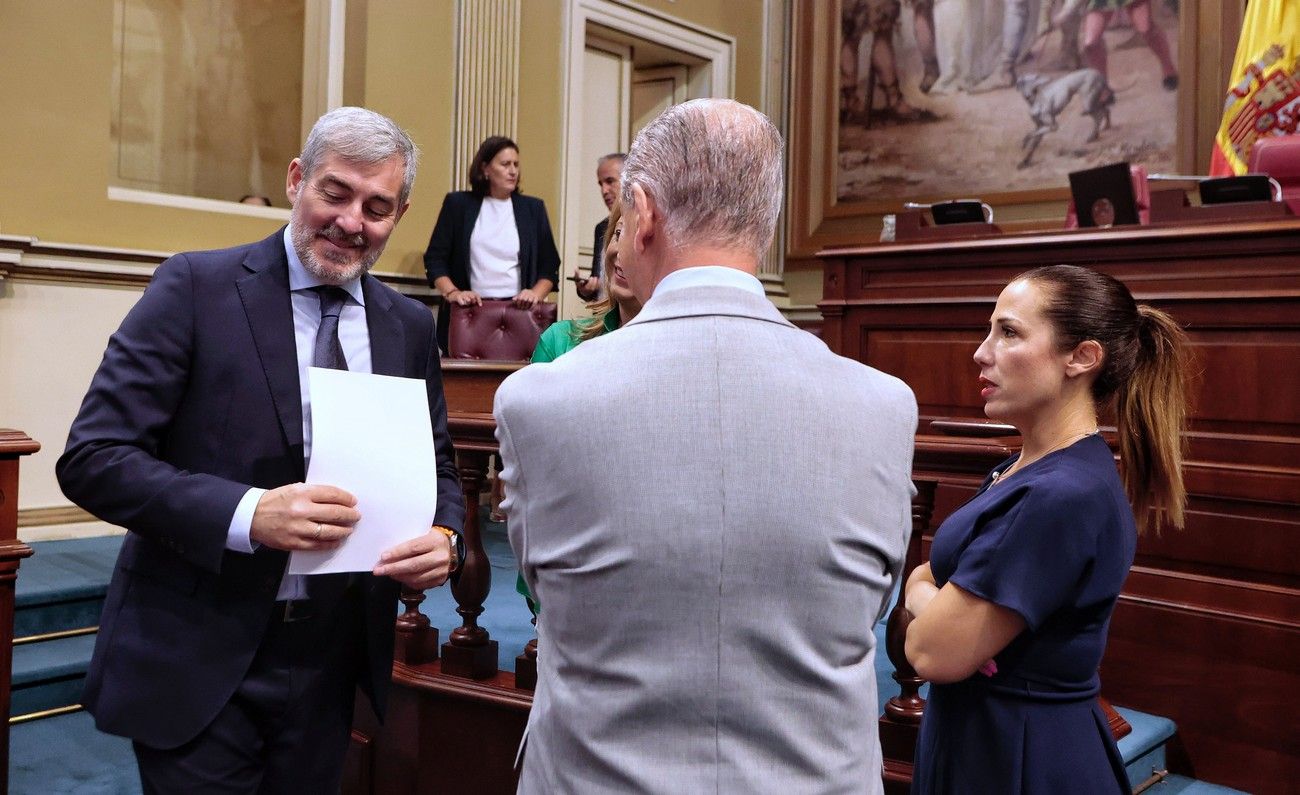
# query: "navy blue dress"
{"points": [[1053, 542]]}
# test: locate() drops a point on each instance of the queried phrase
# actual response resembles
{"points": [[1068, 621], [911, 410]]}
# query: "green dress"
{"points": [[557, 340]]}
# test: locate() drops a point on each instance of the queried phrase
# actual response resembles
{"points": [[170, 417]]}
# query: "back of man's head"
{"points": [[713, 170], [360, 136]]}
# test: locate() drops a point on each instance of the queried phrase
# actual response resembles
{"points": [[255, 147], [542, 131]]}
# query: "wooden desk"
{"points": [[1208, 627]]}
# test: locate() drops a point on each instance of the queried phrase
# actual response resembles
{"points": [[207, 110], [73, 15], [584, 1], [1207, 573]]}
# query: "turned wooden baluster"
{"points": [[417, 640], [470, 651], [901, 720], [908, 705], [526, 665]]}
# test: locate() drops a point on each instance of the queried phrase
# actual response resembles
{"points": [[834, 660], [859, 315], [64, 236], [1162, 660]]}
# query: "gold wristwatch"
{"points": [[457, 542]]}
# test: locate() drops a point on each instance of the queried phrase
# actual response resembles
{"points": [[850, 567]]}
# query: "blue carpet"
{"points": [[62, 585], [1182, 785], [69, 755]]}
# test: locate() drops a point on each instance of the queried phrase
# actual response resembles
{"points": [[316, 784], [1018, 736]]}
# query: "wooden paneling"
{"points": [[1208, 628]]}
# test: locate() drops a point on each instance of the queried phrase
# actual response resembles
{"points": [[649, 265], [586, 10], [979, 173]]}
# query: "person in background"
{"points": [[491, 241], [230, 675], [608, 171], [255, 200], [705, 625], [609, 313], [1009, 617]]}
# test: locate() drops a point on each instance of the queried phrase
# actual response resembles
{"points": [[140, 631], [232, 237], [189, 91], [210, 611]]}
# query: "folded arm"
{"points": [[953, 632]]}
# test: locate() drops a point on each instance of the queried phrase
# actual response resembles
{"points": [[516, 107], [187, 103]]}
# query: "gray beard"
{"points": [[302, 238]]}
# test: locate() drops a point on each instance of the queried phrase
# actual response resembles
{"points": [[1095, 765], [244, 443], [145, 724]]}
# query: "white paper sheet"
{"points": [[371, 436]]}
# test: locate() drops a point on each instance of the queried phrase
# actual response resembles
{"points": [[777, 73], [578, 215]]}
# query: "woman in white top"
{"points": [[491, 241]]}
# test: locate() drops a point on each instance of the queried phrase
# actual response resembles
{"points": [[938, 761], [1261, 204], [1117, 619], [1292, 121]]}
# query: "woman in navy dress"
{"points": [[1009, 617]]}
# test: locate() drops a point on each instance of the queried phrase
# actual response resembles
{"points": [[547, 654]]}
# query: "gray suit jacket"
{"points": [[711, 541]]}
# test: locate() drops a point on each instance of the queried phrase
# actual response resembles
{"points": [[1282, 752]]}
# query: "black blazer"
{"points": [[195, 401], [448, 251]]}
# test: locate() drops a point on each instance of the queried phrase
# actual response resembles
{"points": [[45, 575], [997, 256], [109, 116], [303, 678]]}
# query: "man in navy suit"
{"points": [[229, 674]]}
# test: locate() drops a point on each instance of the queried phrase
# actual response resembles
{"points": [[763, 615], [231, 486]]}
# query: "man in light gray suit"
{"points": [[712, 546]]}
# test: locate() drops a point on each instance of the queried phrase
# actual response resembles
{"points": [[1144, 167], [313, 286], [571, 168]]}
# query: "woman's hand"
{"points": [[465, 298], [526, 299]]}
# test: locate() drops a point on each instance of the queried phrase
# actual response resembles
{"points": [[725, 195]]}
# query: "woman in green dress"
{"points": [[617, 307], [608, 313]]}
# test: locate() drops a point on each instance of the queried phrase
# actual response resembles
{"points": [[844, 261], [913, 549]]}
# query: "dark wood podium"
{"points": [[1208, 628]]}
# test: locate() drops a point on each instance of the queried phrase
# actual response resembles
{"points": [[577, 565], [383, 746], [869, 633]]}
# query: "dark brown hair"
{"points": [[1143, 370], [490, 148]]}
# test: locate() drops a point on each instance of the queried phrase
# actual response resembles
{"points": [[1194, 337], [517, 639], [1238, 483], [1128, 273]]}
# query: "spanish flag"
{"points": [[1264, 89]]}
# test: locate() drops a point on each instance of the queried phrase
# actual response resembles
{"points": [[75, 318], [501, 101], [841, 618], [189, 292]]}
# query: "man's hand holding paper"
{"points": [[371, 440]]}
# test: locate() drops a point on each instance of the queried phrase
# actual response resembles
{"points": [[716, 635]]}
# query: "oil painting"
{"points": [[942, 99]]}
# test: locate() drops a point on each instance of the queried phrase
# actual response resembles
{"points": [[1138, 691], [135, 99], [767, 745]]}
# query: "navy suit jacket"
{"points": [[196, 400], [448, 251]]}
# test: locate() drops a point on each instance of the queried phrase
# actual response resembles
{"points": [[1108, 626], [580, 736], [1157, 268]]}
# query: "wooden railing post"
{"points": [[13, 445], [417, 640], [908, 706], [470, 651], [902, 719], [526, 665]]}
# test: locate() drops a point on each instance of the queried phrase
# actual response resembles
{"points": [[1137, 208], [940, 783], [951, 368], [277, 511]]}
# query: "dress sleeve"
{"points": [[1034, 556]]}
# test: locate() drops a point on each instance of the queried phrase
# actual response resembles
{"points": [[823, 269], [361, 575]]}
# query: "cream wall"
{"points": [[54, 174]]}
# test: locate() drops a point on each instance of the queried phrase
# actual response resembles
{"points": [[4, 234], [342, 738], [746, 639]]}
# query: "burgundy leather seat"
{"points": [[497, 331], [1279, 157]]}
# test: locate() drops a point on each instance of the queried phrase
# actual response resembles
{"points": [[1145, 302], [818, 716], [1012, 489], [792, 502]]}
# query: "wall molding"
{"points": [[487, 78], [30, 259], [54, 515]]}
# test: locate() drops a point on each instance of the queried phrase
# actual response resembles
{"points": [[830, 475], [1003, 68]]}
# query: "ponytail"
{"points": [[1151, 412], [1146, 356]]}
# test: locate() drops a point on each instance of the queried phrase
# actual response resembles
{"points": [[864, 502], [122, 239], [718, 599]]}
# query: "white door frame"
{"points": [[716, 49]]}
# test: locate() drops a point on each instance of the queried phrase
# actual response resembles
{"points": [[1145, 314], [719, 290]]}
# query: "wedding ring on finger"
{"points": [[320, 528]]}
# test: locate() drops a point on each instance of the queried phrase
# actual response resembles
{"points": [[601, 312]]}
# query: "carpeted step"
{"points": [[61, 586], [1182, 785], [66, 754], [49, 674], [1143, 749]]}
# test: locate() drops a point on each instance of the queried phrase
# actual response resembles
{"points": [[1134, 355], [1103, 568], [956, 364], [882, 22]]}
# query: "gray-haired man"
{"points": [[715, 542], [229, 674], [609, 170]]}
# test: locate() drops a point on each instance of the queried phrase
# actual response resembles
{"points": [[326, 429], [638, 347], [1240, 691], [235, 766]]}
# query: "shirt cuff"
{"points": [[241, 524]]}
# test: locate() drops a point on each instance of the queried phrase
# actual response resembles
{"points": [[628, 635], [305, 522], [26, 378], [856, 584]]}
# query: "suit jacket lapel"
{"points": [[387, 338], [265, 295]]}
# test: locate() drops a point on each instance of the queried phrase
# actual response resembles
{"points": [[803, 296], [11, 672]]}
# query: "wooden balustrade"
{"points": [[13, 446]]}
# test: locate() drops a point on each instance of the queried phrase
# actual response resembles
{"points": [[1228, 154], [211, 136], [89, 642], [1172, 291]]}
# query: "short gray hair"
{"points": [[714, 169], [360, 136]]}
